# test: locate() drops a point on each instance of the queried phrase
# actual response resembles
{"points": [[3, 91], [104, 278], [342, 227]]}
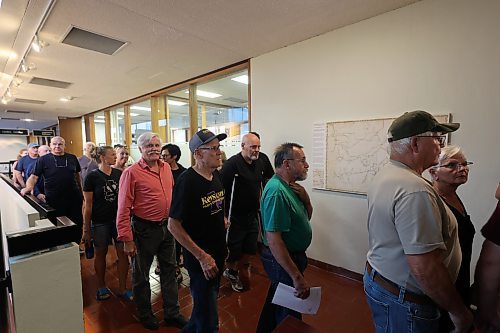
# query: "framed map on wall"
{"points": [[348, 154]]}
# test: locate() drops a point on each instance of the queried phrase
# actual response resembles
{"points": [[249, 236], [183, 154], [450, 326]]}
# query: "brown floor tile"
{"points": [[343, 307]]}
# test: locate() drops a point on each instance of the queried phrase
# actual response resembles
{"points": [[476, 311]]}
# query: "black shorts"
{"points": [[242, 236]]}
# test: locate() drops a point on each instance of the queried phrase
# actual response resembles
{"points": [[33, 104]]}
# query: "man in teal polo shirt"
{"points": [[286, 211]]}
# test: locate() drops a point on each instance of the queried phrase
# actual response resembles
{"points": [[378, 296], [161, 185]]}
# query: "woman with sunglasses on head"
{"points": [[101, 204], [452, 171]]}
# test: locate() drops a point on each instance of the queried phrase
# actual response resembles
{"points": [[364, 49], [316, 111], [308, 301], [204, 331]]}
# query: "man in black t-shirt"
{"points": [[62, 183], [197, 222], [243, 176]]}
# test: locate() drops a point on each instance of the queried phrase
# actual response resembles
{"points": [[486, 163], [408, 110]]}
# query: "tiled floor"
{"points": [[343, 308]]}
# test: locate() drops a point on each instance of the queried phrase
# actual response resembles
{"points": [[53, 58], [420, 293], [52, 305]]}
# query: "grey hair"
{"points": [[59, 137], [400, 146], [284, 152], [144, 138], [450, 151]]}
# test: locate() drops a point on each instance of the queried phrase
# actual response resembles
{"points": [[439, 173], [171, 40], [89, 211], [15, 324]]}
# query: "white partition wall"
{"points": [[440, 56]]}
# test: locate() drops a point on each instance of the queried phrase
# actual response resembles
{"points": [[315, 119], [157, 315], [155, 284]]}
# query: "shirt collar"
{"points": [[144, 165]]}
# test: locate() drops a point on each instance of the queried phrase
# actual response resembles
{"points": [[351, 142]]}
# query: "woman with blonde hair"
{"points": [[100, 190], [122, 156]]}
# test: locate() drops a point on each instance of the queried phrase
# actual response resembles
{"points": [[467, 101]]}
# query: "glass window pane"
{"points": [[100, 129], [223, 108], [140, 118]]}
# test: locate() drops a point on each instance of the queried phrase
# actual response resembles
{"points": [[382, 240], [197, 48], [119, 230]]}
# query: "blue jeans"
{"points": [[391, 314], [204, 316], [273, 314]]}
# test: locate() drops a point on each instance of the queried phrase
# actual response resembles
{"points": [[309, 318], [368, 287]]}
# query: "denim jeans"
{"points": [[391, 314], [204, 316], [273, 314], [154, 239]]}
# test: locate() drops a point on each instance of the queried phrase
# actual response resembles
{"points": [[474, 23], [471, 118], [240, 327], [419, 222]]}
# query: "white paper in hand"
{"points": [[284, 296]]}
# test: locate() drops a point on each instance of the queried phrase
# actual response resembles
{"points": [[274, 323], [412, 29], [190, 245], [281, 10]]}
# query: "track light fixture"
{"points": [[37, 45], [4, 100], [24, 67]]}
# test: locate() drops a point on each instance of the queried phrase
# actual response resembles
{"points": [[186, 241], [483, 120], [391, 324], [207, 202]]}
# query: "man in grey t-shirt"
{"points": [[414, 254]]}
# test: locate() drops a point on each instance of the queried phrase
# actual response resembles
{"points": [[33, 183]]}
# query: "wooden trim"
{"points": [[107, 126], [127, 123], [193, 113], [336, 270], [155, 114], [89, 127]]}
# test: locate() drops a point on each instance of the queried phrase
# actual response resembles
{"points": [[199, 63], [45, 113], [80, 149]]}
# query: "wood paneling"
{"points": [[107, 126], [89, 127], [128, 125], [71, 130]]}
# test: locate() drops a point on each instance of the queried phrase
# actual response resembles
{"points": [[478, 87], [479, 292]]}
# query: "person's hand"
{"points": [[41, 197], [227, 223], [86, 235], [25, 191], [463, 323], [208, 266], [302, 289], [129, 248], [300, 191]]}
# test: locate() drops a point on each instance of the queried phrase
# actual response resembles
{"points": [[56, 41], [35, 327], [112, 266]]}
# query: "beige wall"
{"points": [[440, 56]]}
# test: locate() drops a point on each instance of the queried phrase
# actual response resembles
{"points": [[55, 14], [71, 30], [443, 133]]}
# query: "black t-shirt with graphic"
{"points": [[199, 204], [105, 189]]}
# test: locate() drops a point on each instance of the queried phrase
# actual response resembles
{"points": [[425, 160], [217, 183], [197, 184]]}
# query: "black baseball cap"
{"points": [[202, 137], [417, 122]]}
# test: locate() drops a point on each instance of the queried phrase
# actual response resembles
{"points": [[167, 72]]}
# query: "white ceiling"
{"points": [[169, 41]]}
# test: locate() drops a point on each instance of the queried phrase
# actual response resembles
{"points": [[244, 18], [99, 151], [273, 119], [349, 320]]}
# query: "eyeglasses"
{"points": [[456, 165], [214, 148], [440, 138], [165, 156], [60, 166]]}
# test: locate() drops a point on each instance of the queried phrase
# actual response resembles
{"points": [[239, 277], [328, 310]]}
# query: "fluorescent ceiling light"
{"points": [[99, 121], [140, 108], [27, 119], [101, 117], [119, 118], [206, 94], [120, 113], [241, 79], [177, 103], [8, 54], [66, 99]]}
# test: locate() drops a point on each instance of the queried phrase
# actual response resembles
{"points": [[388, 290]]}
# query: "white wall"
{"points": [[440, 56]]}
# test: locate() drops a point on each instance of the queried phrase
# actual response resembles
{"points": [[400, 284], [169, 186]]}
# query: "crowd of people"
{"points": [[211, 217]]}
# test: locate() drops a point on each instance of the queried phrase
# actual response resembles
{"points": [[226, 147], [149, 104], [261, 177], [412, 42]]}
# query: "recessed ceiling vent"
{"points": [[50, 83], [7, 118], [92, 41], [16, 111], [235, 100], [29, 101]]}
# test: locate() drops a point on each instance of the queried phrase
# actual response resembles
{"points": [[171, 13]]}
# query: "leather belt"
{"points": [[156, 223], [394, 289]]}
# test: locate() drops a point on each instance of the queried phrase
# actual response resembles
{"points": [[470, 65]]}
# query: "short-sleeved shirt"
{"points": [[105, 195], [283, 211], [86, 165], [177, 172], [491, 230], [59, 176], [26, 165], [199, 204], [407, 217]]}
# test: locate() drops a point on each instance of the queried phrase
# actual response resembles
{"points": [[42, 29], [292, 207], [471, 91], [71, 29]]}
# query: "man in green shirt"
{"points": [[286, 211]]}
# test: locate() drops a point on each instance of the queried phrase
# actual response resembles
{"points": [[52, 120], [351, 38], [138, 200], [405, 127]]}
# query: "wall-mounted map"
{"points": [[348, 154]]}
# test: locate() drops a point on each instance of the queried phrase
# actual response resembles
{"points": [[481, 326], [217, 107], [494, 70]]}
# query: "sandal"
{"points": [[127, 295], [103, 294]]}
